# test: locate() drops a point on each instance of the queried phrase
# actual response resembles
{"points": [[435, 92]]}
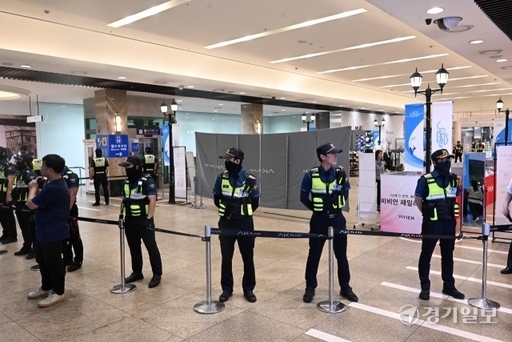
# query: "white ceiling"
{"points": [[169, 48]]}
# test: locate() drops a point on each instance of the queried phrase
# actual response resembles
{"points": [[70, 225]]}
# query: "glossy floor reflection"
{"points": [[383, 271]]}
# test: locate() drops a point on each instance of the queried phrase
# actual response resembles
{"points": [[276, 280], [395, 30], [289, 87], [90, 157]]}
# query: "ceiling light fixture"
{"points": [[287, 28], [397, 75], [435, 10], [385, 63], [451, 79], [122, 77], [476, 41], [362, 46], [190, 86], [25, 66], [147, 13], [477, 85], [501, 60]]}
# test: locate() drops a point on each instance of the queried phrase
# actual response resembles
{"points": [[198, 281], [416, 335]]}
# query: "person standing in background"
{"points": [[98, 171], [380, 167], [7, 175], [458, 149]]}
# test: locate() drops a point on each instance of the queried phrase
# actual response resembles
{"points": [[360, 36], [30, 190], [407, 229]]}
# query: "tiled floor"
{"points": [[383, 276]]}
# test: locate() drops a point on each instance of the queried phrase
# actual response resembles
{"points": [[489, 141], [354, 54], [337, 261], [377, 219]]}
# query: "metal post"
{"points": [[507, 113], [307, 125], [208, 306], [330, 305], [484, 303], [172, 197], [378, 142], [123, 287], [428, 95]]}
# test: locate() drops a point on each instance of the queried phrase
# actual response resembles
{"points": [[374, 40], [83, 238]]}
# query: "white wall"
{"points": [[62, 132]]}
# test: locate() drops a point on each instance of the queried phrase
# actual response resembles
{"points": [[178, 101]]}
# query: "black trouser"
{"points": [[134, 234], [378, 192], [319, 224], [439, 227], [74, 243], [476, 210], [24, 216], [509, 257], [100, 179], [8, 222], [246, 247], [458, 156], [51, 267]]}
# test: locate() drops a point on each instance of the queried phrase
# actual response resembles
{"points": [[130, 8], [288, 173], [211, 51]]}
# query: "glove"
{"points": [[149, 223]]}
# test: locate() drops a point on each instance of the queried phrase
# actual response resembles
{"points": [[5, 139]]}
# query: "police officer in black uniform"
{"points": [[98, 171], [457, 151], [7, 174], [19, 193], [435, 197], [74, 243], [328, 187], [236, 196], [137, 212]]}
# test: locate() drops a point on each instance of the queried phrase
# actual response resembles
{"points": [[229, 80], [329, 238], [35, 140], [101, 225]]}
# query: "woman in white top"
{"points": [[380, 167]]}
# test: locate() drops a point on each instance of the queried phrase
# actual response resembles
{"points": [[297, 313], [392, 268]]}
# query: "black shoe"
{"points": [[154, 281], [250, 296], [8, 240], [23, 251], [308, 295], [31, 255], [35, 267], [134, 277], [351, 296], [225, 296], [95, 204], [425, 294], [454, 293], [74, 266], [506, 270]]}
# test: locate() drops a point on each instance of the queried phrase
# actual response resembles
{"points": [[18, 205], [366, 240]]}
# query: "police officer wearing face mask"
{"points": [[236, 196], [435, 197], [7, 174], [137, 211], [328, 187], [19, 196], [98, 171]]}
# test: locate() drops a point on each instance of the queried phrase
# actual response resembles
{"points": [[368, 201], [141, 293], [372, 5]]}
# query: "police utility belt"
{"points": [[440, 204]]}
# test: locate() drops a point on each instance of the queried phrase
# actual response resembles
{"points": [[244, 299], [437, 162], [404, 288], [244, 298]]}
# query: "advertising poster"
{"points": [[414, 156], [442, 121], [499, 131], [398, 213], [165, 141], [503, 177], [474, 177]]}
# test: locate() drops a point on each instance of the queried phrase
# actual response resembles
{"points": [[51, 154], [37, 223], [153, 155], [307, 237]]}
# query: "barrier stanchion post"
{"points": [[330, 305], [208, 306], [123, 287], [484, 303]]}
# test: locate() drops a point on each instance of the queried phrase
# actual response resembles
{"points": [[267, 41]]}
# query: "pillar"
{"points": [[108, 103], [457, 132], [322, 120], [251, 115]]}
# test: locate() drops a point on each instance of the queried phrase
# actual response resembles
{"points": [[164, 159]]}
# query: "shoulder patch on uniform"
{"points": [[152, 185], [72, 180]]}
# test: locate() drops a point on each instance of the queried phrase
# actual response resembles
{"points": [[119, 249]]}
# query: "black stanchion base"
{"points": [[35, 268], [336, 307], [483, 303], [3, 251], [119, 289], [206, 309]]}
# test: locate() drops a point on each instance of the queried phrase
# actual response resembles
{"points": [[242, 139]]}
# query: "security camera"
{"points": [[428, 21], [447, 23], [180, 87]]}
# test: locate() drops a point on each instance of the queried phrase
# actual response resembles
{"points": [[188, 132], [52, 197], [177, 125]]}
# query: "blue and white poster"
{"points": [[499, 131], [414, 154], [442, 121], [165, 141], [113, 145]]}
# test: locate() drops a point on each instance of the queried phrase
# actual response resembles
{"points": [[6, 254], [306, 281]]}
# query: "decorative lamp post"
{"points": [[307, 119], [442, 79], [380, 125], [499, 107]]}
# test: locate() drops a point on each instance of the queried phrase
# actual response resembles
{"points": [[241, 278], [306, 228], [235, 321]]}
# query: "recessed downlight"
{"points": [[122, 77], [501, 60], [476, 41], [25, 66], [435, 10], [242, 93], [190, 86], [179, 101]]}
